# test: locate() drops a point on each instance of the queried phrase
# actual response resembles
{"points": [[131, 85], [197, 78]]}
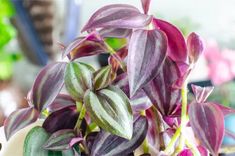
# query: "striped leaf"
{"points": [[161, 91], [145, 5], [59, 140], [48, 85], [18, 120], [92, 44], [117, 16], [60, 102], [111, 110], [103, 77], [65, 118], [201, 93], [34, 141], [115, 32], [107, 144], [146, 55], [207, 122], [78, 78]]}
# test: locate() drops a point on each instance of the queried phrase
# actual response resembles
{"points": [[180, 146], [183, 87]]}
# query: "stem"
{"points": [[183, 115], [145, 146], [184, 106], [80, 117], [145, 143], [180, 131], [173, 140], [193, 148]]}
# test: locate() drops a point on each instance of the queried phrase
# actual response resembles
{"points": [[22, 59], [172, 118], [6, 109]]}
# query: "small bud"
{"points": [[195, 47]]}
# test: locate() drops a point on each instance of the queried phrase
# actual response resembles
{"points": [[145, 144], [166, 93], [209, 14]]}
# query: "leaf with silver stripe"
{"points": [[78, 78], [107, 144], [111, 110]]}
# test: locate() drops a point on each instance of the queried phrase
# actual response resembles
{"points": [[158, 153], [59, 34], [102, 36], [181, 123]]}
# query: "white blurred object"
{"points": [[14, 146]]}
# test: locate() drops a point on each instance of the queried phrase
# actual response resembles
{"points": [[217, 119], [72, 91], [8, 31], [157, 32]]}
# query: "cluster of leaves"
{"points": [[7, 33], [111, 111]]}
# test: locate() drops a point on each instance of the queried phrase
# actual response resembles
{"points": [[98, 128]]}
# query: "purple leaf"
{"points": [[48, 85], [177, 49], [138, 102], [60, 102], [112, 145], [185, 71], [224, 109], [201, 93], [60, 140], [147, 52], [92, 44], [117, 16], [160, 90], [115, 32], [65, 118], [194, 46], [207, 122], [18, 120], [145, 5], [75, 140], [90, 139]]}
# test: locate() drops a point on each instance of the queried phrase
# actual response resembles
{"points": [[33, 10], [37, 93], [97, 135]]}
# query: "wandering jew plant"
{"points": [[136, 105]]}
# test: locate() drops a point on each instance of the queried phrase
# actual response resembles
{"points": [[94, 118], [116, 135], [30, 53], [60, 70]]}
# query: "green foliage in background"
{"points": [[7, 33], [116, 43]]}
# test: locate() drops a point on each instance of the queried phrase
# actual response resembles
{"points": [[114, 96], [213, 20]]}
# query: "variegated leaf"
{"points": [[201, 93], [117, 16], [140, 101], [19, 119], [60, 102], [110, 109], [90, 45], [146, 55], [78, 78], [115, 32], [48, 85], [34, 141], [107, 144], [60, 140], [145, 5], [103, 77], [207, 122], [160, 90]]}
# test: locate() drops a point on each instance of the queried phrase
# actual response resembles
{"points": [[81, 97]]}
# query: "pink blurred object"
{"points": [[221, 63]]}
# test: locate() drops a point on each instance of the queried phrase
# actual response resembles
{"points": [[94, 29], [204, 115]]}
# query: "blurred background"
{"points": [[31, 32]]}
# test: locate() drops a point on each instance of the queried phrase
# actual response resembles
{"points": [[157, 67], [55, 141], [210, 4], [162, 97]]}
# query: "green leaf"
{"points": [[78, 78], [103, 77], [111, 110], [34, 141]]}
